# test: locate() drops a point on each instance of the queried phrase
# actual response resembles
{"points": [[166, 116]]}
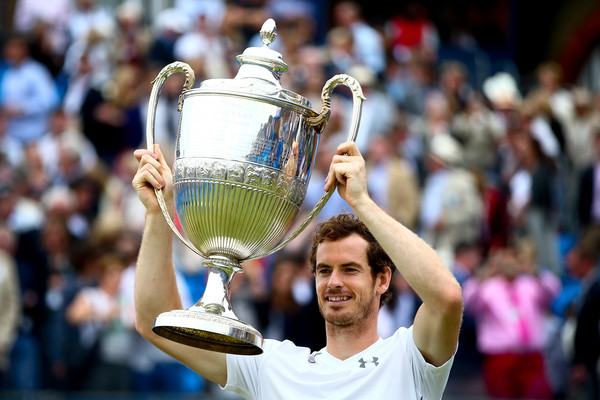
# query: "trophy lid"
{"points": [[264, 56], [259, 75]]}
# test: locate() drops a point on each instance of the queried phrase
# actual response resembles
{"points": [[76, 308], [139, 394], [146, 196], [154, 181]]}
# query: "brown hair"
{"points": [[344, 225]]}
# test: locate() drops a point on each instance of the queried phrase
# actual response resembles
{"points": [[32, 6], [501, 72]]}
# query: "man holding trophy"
{"points": [[351, 279], [244, 154]]}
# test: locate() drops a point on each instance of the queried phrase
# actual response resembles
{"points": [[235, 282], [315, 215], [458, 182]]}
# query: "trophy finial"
{"points": [[268, 32]]}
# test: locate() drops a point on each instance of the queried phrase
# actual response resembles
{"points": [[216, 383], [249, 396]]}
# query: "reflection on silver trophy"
{"points": [[244, 154]]}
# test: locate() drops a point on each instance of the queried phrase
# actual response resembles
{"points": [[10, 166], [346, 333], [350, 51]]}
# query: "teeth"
{"points": [[340, 298]]}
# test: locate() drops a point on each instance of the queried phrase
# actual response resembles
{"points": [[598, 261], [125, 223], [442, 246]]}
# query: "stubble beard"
{"points": [[349, 320]]}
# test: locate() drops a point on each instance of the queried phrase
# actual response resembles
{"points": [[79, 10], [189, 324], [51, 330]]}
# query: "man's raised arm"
{"points": [[438, 320], [155, 283]]}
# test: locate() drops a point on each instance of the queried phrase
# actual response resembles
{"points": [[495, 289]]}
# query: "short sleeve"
{"points": [[430, 380]]}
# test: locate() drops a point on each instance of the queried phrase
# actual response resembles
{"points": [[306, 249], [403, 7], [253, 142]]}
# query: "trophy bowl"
{"points": [[243, 158]]}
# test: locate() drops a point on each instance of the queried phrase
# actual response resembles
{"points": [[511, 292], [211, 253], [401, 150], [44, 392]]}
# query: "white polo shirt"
{"points": [[391, 368]]}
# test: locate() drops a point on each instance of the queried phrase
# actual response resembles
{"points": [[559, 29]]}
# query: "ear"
{"points": [[384, 279]]}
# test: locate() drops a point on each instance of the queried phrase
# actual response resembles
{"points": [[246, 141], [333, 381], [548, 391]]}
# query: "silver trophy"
{"points": [[244, 154]]}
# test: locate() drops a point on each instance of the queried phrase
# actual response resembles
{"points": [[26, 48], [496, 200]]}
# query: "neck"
{"points": [[345, 341]]}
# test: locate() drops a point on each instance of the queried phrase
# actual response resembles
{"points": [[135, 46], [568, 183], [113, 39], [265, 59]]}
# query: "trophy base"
{"points": [[209, 331]]}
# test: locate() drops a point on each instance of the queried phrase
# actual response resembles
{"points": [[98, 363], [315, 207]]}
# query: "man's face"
{"points": [[346, 290]]}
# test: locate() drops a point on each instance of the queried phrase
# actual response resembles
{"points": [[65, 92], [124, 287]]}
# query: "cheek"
{"points": [[320, 285]]}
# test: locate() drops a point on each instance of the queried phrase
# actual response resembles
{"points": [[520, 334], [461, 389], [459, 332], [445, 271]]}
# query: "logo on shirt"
{"points": [[363, 363]]}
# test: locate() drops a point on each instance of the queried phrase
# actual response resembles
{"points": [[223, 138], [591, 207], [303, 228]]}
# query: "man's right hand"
{"points": [[153, 173]]}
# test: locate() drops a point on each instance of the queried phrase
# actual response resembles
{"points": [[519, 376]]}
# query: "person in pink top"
{"points": [[509, 300]]}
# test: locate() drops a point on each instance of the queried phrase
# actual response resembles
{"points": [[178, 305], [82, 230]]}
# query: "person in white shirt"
{"points": [[353, 259]]}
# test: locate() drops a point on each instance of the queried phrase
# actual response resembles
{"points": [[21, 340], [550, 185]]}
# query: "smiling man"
{"points": [[353, 259]]}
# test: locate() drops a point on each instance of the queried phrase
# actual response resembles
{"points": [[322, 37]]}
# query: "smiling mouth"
{"points": [[336, 299]]}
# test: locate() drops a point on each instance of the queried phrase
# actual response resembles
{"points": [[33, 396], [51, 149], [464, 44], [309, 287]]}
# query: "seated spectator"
{"points": [[97, 312]]}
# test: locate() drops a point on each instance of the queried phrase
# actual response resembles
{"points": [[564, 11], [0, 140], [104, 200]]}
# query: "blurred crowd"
{"points": [[503, 181]]}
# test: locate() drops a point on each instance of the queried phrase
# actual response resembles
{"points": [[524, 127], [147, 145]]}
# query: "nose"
{"points": [[335, 280]]}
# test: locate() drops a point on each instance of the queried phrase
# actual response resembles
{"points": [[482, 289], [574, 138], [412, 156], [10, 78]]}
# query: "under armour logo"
{"points": [[363, 363]]}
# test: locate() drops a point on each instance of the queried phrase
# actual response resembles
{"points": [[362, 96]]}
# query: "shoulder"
{"points": [[273, 351], [286, 349], [397, 346]]}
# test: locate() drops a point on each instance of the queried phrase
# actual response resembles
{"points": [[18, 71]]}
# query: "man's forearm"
{"points": [[155, 283], [418, 263]]}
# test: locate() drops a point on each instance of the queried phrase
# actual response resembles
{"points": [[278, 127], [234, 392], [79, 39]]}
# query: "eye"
{"points": [[323, 271]]}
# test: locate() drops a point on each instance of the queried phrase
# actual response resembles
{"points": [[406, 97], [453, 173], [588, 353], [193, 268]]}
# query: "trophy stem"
{"points": [[217, 296], [211, 323]]}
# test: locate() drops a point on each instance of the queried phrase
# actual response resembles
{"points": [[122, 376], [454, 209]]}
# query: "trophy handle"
{"points": [[157, 85], [319, 123]]}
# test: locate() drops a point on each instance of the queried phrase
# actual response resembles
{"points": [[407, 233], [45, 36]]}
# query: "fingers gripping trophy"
{"points": [[244, 154]]}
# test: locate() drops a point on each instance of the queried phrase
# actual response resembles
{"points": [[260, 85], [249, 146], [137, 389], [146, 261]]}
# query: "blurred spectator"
{"points": [[412, 33], [589, 190], [436, 116], [32, 169], [296, 27], [292, 304], [117, 207], [27, 92], [10, 304], [339, 45], [90, 19], [42, 51], [50, 17], [24, 217], [540, 121], [90, 56], [408, 145], [111, 114], [367, 43], [477, 128], [87, 191], [496, 219], [468, 257], [393, 184], [212, 11], [509, 300], [11, 150], [409, 84], [549, 76], [169, 24], [451, 209], [65, 152], [435, 120], [583, 263], [377, 114], [400, 311], [98, 314], [531, 199], [453, 82], [133, 37], [466, 376], [580, 130], [62, 285], [204, 49], [502, 91], [79, 82], [308, 75], [243, 18]]}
